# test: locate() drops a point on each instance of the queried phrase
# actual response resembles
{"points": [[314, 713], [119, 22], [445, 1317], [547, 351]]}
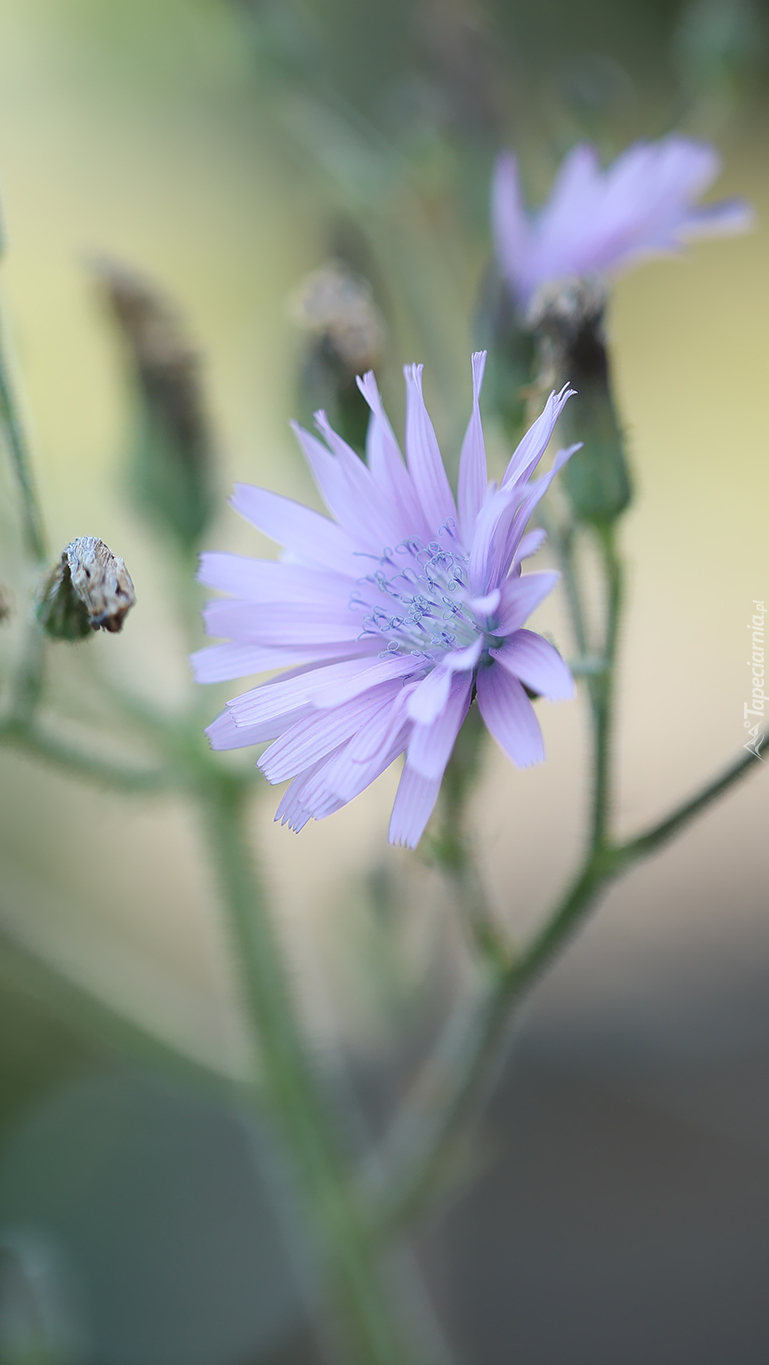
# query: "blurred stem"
{"points": [[602, 688], [563, 541], [430, 1129], [362, 1305], [452, 848], [96, 1020], [25, 734], [32, 521], [27, 686]]}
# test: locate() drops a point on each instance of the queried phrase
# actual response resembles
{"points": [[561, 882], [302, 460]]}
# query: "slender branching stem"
{"points": [[30, 737], [423, 1147], [563, 540], [369, 1334], [651, 840], [13, 431], [602, 691]]}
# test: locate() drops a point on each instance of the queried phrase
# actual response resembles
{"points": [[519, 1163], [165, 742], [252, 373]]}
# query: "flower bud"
{"points": [[172, 457], [568, 322], [336, 306], [90, 589], [502, 327]]}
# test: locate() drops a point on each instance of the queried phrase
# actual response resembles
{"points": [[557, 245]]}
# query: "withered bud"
{"points": [[174, 454], [567, 320], [563, 315], [337, 304], [90, 589]]}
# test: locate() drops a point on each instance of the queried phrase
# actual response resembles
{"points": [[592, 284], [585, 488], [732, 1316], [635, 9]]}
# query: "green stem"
{"points": [[100, 1022], [601, 688], [32, 739], [368, 1334], [562, 540], [433, 1138], [453, 1086], [454, 1082], [34, 536], [652, 839]]}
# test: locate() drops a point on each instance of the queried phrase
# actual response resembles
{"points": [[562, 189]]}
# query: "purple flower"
{"points": [[388, 616], [606, 220]]}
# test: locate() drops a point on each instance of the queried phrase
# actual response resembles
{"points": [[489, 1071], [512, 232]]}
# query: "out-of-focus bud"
{"points": [[567, 320], [336, 306], [173, 449], [502, 329], [90, 589]]}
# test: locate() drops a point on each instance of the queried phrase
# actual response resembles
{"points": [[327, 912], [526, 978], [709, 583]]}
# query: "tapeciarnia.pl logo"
{"points": [[757, 703]]}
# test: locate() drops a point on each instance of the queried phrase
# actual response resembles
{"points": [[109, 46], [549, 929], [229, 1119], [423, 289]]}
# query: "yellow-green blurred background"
{"points": [[157, 131]]}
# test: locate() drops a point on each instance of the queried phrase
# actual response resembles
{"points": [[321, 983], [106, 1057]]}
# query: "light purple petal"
{"points": [[491, 529], [530, 543], [506, 551], [726, 218], [307, 533], [328, 476], [424, 457], [521, 596], [269, 580], [382, 731], [536, 663], [317, 734], [599, 221], [536, 440], [428, 700], [292, 809], [283, 695], [512, 230], [223, 733], [509, 715], [369, 509], [414, 804], [379, 670], [223, 663], [430, 746], [473, 478], [345, 777], [386, 464], [282, 623]]}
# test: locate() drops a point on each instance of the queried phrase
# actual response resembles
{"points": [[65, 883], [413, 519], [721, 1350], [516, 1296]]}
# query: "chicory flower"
{"points": [[601, 221], [391, 615]]}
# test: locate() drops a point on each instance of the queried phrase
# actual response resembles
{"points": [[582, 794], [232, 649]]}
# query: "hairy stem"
{"points": [[368, 1333], [602, 692], [30, 738], [455, 1082], [32, 521], [642, 845]]}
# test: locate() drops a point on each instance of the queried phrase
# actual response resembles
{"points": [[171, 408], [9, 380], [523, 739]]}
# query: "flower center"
{"points": [[427, 600]]}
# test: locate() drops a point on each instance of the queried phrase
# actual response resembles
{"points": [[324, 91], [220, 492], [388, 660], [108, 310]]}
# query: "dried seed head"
{"points": [[173, 457], [567, 320], [337, 304], [90, 589]]}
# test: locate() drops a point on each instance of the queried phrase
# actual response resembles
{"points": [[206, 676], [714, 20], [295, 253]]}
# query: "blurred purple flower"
{"points": [[597, 220], [395, 611]]}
